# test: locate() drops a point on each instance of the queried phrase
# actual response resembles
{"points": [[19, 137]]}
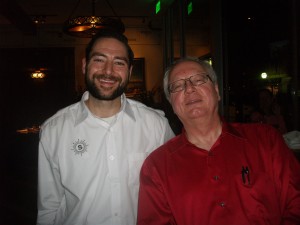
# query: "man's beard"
{"points": [[96, 93]]}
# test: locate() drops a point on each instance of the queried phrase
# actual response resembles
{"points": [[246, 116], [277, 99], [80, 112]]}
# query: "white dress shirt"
{"points": [[89, 168]]}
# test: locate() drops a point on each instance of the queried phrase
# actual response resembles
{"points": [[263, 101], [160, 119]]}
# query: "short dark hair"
{"points": [[107, 33]]}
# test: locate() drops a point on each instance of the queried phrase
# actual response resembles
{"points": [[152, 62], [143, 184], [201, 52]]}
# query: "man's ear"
{"points": [[130, 72], [83, 65], [217, 90]]}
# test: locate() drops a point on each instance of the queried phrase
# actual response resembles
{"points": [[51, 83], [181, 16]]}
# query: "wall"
{"points": [[146, 43]]}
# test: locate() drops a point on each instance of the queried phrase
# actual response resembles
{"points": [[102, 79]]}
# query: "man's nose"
{"points": [[189, 87], [108, 67]]}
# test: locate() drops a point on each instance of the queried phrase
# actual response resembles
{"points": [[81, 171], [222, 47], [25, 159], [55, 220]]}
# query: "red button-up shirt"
{"points": [[249, 176]]}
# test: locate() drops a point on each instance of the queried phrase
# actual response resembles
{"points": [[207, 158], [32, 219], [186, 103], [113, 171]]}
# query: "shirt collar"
{"points": [[228, 128], [126, 107], [83, 110]]}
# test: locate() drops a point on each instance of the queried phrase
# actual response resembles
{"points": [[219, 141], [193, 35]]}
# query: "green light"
{"points": [[190, 8], [157, 8]]}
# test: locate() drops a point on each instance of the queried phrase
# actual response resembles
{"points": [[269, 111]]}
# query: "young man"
{"points": [[214, 172], [90, 153]]}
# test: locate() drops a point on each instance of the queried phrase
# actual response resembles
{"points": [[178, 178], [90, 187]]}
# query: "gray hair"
{"points": [[204, 64]]}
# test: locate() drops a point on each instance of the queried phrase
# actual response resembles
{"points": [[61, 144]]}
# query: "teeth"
{"points": [[107, 81], [193, 101]]}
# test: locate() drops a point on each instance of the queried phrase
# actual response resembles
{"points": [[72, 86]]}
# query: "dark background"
{"points": [[250, 47]]}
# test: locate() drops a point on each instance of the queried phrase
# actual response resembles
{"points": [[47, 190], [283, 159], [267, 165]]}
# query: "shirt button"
{"points": [[216, 177], [111, 157], [222, 204]]}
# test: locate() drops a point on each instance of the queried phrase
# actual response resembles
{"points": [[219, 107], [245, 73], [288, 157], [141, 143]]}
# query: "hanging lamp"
{"points": [[87, 26]]}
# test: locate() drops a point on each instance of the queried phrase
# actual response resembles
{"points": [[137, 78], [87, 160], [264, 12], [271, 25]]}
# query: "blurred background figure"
{"points": [[268, 111]]}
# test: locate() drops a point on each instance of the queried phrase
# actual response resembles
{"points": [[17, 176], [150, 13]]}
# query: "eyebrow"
{"points": [[116, 57], [202, 74]]}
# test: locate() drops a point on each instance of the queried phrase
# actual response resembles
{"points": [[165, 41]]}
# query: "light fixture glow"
{"points": [[37, 75], [157, 7], [264, 75], [190, 8], [87, 26]]}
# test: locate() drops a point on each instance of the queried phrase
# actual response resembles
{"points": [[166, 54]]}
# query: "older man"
{"points": [[214, 172]]}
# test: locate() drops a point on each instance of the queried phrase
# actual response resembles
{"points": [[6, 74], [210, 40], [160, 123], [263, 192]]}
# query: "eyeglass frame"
{"points": [[206, 77]]}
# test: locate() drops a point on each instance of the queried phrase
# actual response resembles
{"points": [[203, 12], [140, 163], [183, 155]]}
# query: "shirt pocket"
{"points": [[259, 197]]}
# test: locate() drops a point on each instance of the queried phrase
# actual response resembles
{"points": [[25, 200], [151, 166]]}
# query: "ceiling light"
{"points": [[39, 19], [37, 75], [87, 26], [264, 75]]}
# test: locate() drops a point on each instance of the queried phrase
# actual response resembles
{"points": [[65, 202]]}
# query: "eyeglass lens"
{"points": [[195, 80]]}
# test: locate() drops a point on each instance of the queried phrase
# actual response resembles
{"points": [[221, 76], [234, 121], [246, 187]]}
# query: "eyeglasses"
{"points": [[195, 80]]}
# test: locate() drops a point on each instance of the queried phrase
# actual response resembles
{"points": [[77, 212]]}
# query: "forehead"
{"points": [[109, 44], [186, 69]]}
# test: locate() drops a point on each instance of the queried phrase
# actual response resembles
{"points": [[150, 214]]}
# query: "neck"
{"points": [[204, 133], [103, 108]]}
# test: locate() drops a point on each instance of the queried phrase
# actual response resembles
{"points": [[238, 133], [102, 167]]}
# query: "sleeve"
{"points": [[153, 208], [50, 190], [168, 134], [287, 171], [165, 131]]}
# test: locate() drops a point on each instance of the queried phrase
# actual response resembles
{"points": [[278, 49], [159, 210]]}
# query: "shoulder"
{"points": [[260, 140], [256, 132], [252, 128], [65, 114], [142, 111], [166, 150]]}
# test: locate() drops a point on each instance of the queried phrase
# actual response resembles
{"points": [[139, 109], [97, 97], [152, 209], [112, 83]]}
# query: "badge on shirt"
{"points": [[79, 147]]}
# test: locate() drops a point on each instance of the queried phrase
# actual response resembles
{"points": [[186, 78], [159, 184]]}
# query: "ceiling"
{"points": [[133, 13], [20, 13]]}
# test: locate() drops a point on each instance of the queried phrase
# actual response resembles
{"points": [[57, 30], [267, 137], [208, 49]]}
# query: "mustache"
{"points": [[108, 77]]}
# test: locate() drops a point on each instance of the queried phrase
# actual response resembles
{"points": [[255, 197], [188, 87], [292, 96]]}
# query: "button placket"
{"points": [[216, 177], [222, 204]]}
